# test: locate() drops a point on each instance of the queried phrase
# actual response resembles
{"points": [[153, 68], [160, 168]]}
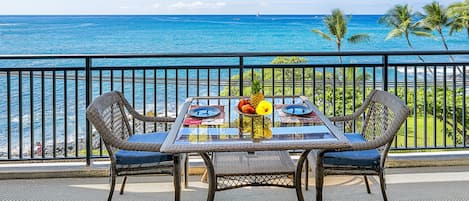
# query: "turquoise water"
{"points": [[173, 34]]}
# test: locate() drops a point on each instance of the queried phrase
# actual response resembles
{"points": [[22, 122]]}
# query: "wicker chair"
{"points": [[130, 153], [380, 118]]}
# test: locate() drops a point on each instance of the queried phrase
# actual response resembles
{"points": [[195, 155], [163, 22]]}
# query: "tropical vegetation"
{"points": [[459, 12], [336, 25], [436, 18], [401, 19]]}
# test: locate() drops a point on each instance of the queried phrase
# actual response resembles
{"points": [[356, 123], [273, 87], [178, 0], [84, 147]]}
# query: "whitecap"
{"points": [[15, 119], [9, 24], [86, 24]]}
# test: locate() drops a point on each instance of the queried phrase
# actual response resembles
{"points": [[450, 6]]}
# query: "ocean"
{"points": [[180, 34], [192, 33]]}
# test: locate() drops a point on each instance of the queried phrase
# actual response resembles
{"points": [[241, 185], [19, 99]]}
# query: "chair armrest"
{"points": [[150, 119], [141, 117], [133, 146], [344, 122], [359, 111], [342, 118]]}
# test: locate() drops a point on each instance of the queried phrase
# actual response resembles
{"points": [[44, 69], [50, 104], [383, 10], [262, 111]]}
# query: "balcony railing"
{"points": [[44, 97]]}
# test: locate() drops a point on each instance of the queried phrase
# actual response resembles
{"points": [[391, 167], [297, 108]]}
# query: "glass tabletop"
{"points": [[233, 129]]}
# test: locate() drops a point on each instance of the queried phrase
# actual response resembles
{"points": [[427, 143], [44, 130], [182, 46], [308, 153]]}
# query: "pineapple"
{"points": [[256, 93]]}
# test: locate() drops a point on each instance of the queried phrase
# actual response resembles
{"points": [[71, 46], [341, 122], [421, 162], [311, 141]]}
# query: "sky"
{"points": [[161, 7]]}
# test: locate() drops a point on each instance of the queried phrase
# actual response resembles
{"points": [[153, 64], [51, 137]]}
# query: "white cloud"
{"points": [[155, 5], [220, 4], [263, 3]]}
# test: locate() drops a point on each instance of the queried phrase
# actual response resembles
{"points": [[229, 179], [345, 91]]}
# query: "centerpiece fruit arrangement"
{"points": [[256, 105], [253, 110]]}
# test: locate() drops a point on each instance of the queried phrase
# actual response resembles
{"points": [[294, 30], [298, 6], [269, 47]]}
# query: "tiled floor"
{"points": [[425, 184]]}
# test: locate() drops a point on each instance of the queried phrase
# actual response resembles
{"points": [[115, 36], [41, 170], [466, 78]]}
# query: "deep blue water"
{"points": [[173, 34]]}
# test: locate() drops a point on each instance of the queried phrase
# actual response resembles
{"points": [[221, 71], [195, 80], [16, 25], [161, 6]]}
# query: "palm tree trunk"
{"points": [[444, 43], [443, 39], [338, 49], [410, 45], [420, 57], [446, 46]]}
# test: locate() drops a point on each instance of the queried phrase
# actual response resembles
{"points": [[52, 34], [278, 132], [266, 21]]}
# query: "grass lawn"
{"points": [[430, 138]]}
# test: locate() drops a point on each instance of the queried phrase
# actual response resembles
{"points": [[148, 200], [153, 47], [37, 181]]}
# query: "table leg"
{"points": [[212, 183], [177, 177], [186, 170], [306, 174], [299, 169], [319, 177]]}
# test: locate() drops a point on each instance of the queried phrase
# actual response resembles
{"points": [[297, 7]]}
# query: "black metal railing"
{"points": [[42, 112]]}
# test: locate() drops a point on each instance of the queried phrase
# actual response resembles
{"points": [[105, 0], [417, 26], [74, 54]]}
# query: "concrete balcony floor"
{"points": [[425, 184]]}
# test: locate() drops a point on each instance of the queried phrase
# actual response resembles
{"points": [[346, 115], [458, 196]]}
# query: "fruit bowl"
{"points": [[246, 114], [245, 108]]}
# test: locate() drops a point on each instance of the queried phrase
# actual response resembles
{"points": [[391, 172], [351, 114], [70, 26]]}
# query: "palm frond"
{"points": [[401, 19], [322, 34], [456, 25], [435, 16], [389, 20], [394, 34], [424, 34], [336, 25], [458, 8], [358, 38], [459, 12]]}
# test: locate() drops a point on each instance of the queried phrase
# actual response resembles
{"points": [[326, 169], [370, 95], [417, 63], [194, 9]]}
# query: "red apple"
{"points": [[242, 102], [249, 109]]}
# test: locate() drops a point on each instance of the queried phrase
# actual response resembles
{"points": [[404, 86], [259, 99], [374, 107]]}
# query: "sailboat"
{"points": [[258, 14]]}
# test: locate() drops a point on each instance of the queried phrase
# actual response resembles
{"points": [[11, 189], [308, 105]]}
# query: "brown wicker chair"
{"points": [[130, 153], [380, 118]]}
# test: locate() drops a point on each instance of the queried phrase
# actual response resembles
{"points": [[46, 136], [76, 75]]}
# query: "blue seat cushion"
{"points": [[125, 157], [363, 158]]}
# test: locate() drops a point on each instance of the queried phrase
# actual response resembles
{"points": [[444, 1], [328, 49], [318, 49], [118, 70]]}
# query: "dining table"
{"points": [[241, 149]]}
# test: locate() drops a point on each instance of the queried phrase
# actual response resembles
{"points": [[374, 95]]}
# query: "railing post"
{"points": [[241, 75], [9, 116], [385, 72], [88, 93]]}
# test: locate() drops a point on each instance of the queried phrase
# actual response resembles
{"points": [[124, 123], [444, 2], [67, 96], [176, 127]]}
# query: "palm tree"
{"points": [[336, 25], [460, 14], [436, 18], [400, 19]]}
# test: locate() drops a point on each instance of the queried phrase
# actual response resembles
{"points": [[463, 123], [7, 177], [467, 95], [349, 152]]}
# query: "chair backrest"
{"points": [[108, 116], [384, 114]]}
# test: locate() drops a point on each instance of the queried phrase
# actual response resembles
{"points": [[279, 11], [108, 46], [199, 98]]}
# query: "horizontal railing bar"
{"points": [[428, 64], [235, 54], [367, 65], [169, 67], [447, 147], [39, 69], [232, 66]]}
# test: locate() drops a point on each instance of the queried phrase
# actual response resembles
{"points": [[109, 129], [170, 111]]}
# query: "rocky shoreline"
{"points": [[71, 148]]}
